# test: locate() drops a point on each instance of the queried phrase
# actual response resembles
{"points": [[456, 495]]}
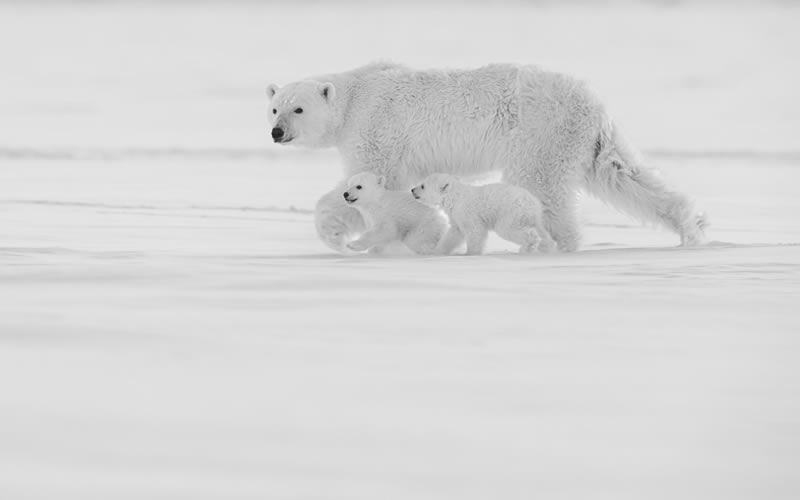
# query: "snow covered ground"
{"points": [[170, 327]]}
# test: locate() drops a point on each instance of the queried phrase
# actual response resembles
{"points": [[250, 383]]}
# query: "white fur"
{"points": [[546, 132], [512, 212], [392, 216]]}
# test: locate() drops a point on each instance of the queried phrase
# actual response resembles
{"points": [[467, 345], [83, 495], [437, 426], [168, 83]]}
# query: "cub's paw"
{"points": [[357, 246], [546, 245], [333, 232]]}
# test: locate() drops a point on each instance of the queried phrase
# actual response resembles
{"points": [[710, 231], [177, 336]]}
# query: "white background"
{"points": [[170, 327]]}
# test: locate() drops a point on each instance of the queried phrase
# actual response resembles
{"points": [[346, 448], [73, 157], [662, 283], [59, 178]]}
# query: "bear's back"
{"points": [[459, 88], [460, 120]]}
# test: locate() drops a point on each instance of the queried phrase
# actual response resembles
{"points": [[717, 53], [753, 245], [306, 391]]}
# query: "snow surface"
{"points": [[170, 327]]}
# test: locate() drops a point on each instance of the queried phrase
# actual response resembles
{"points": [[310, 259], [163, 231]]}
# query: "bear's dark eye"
{"points": [[274, 111], [358, 187], [298, 110], [422, 186]]}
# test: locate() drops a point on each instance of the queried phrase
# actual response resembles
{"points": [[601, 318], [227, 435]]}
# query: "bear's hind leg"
{"points": [[619, 178], [526, 237], [637, 191]]}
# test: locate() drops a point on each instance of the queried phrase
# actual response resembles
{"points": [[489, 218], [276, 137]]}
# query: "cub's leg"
{"points": [[546, 243], [476, 235], [379, 236], [424, 239], [451, 240], [512, 229]]}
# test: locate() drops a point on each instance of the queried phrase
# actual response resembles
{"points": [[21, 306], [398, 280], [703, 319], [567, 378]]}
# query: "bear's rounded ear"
{"points": [[328, 91], [271, 89], [381, 180]]}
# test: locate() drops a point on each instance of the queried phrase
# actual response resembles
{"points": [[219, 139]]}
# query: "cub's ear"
{"points": [[271, 89], [382, 180], [444, 188], [328, 91]]}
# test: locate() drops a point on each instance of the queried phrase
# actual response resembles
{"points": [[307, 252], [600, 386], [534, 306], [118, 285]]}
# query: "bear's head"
{"points": [[364, 188], [302, 113], [433, 188]]}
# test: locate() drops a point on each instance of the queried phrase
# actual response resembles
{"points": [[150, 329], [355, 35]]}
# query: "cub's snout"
{"points": [[347, 197]]}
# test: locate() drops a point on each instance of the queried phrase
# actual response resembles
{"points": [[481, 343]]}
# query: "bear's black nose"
{"points": [[346, 195], [277, 133]]}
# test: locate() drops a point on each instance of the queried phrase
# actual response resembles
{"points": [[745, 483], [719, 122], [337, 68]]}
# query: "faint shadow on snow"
{"points": [[121, 206], [618, 250]]}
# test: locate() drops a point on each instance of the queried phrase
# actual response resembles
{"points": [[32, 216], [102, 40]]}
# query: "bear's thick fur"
{"points": [[546, 132]]}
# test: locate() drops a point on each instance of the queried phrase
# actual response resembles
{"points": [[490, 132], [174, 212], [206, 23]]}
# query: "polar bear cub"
{"points": [[392, 216], [512, 212]]}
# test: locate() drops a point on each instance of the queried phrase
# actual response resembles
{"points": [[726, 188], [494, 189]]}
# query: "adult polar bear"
{"points": [[544, 131]]}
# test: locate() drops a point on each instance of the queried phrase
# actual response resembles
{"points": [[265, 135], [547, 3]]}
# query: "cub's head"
{"points": [[364, 187], [433, 188], [302, 112]]}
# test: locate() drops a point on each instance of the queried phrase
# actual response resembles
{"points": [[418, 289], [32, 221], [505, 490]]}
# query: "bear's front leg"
{"points": [[476, 236], [335, 220], [450, 241], [376, 237]]}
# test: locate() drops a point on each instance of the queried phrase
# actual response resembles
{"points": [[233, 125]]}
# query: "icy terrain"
{"points": [[170, 327]]}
